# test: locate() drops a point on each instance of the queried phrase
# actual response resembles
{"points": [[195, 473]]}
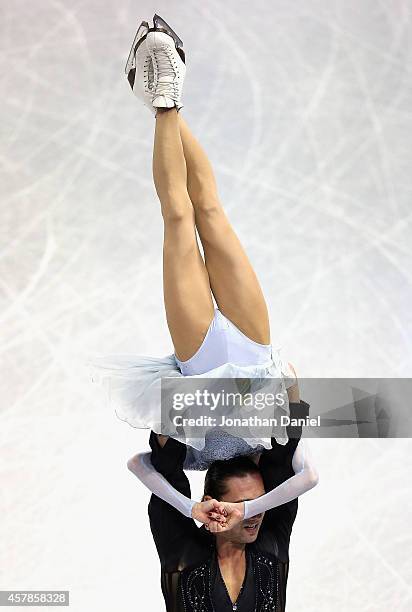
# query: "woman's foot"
{"points": [[169, 70]]}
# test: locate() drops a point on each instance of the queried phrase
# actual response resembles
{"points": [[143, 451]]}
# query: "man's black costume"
{"points": [[190, 575]]}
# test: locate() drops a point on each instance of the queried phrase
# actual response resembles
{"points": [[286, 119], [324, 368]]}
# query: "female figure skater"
{"points": [[239, 559], [230, 341]]}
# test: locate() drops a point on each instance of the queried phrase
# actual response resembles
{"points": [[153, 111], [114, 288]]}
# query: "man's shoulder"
{"points": [[193, 551], [268, 545]]}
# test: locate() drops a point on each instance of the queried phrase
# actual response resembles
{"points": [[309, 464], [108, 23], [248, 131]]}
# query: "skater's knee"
{"points": [[177, 209]]}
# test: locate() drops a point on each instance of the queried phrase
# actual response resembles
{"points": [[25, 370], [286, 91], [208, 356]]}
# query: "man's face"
{"points": [[242, 488]]}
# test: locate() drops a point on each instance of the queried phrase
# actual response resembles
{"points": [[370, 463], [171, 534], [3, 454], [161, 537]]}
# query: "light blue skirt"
{"points": [[132, 386]]}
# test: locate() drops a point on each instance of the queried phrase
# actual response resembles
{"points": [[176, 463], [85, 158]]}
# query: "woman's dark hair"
{"points": [[220, 471]]}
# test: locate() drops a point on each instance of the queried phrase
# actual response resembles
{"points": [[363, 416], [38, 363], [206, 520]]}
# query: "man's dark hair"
{"points": [[219, 471]]}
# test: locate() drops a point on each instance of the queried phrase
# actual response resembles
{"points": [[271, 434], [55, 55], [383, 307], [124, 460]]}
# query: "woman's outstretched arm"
{"points": [[305, 478], [142, 467]]}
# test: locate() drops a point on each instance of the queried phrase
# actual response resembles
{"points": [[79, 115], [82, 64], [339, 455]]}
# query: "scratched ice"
{"points": [[305, 111]]}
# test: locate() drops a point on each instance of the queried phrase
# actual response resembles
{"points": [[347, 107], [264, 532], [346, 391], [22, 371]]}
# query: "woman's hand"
{"points": [[233, 512], [207, 511], [218, 516]]}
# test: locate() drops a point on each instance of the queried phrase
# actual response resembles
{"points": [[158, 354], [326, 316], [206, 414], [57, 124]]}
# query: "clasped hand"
{"points": [[218, 516]]}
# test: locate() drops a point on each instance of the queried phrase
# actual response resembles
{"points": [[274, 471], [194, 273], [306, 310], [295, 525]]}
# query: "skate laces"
{"points": [[150, 74], [166, 69]]}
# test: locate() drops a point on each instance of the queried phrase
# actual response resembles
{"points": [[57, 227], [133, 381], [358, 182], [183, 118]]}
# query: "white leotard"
{"points": [[224, 343]]}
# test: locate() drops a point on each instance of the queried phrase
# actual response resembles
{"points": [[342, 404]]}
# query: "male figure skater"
{"points": [[246, 567]]}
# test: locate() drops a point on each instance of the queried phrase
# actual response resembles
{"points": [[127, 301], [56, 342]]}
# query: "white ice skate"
{"points": [[142, 72], [168, 60]]}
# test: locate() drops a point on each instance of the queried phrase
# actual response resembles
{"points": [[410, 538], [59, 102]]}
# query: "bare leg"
{"points": [[187, 296], [232, 279]]}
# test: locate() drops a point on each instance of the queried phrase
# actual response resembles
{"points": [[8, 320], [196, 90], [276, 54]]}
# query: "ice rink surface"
{"points": [[304, 109]]}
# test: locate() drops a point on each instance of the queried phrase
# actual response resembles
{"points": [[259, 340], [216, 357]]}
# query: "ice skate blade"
{"points": [[138, 39], [160, 23]]}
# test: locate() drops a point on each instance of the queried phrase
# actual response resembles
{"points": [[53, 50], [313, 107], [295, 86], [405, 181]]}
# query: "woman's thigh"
{"points": [[187, 295]]}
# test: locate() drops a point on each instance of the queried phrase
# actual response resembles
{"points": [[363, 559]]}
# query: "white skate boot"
{"points": [[166, 51], [139, 68]]}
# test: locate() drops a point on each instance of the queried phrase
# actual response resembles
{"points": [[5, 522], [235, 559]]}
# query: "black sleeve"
{"points": [[276, 467], [170, 529]]}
